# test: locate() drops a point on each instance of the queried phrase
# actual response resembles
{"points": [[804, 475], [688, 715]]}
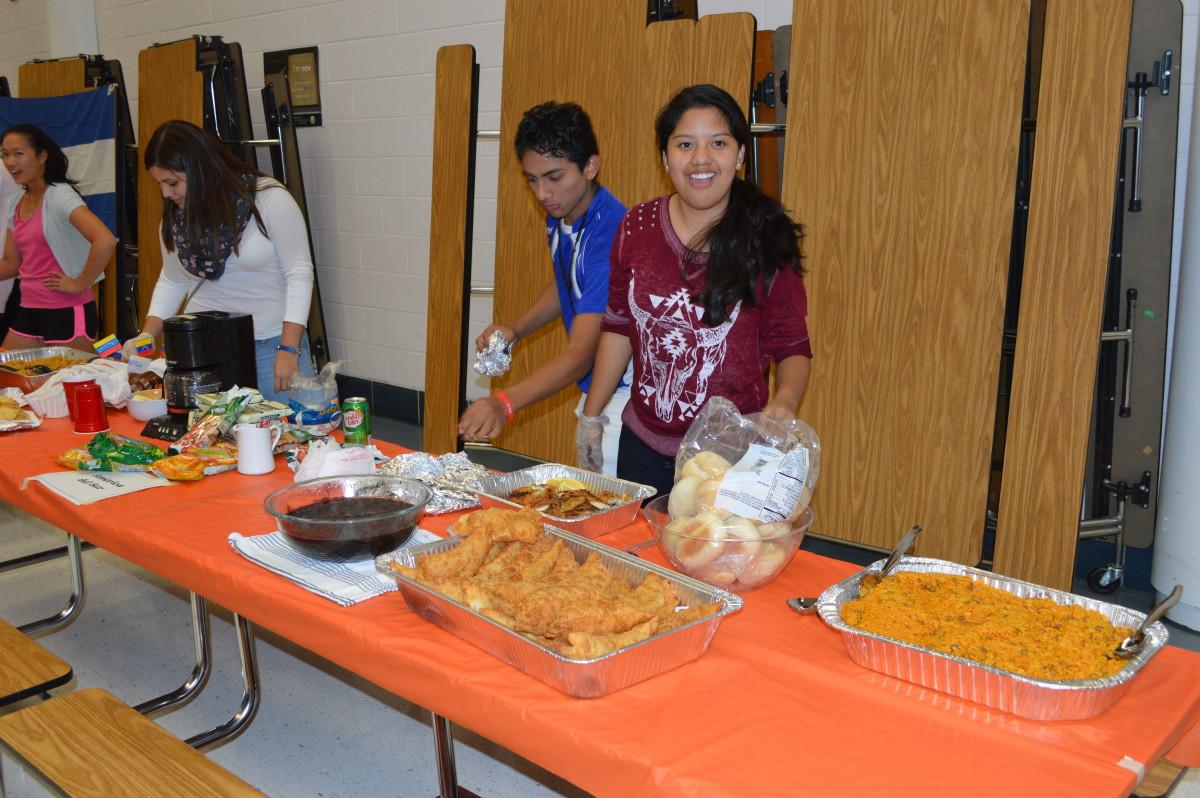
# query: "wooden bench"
{"points": [[26, 668], [89, 743]]}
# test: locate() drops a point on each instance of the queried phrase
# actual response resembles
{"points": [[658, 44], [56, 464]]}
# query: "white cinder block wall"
{"points": [[368, 170]]}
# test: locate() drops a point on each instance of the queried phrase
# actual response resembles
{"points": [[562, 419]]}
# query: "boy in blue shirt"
{"points": [[561, 160]]}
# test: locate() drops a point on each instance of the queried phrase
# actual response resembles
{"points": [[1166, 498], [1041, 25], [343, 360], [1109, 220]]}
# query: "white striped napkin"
{"points": [[343, 580]]}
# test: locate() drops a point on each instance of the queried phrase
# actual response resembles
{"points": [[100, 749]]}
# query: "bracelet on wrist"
{"points": [[502, 397], [291, 350]]}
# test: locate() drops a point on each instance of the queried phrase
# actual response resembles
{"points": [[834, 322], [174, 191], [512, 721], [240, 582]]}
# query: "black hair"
{"points": [[215, 180], [40, 140], [754, 238], [557, 130]]}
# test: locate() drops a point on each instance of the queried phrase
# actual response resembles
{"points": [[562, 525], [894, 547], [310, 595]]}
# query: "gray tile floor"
{"points": [[320, 731]]}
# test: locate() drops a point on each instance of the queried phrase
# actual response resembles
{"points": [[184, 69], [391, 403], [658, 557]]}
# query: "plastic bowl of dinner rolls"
{"points": [[714, 545]]}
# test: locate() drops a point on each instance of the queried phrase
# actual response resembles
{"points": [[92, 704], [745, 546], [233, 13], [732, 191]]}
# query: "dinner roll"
{"points": [[683, 498], [702, 543], [705, 465], [706, 495], [771, 557], [768, 531]]}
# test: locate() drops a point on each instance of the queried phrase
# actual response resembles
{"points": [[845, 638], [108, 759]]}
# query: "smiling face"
{"points": [[23, 162], [173, 184], [561, 187], [702, 158]]}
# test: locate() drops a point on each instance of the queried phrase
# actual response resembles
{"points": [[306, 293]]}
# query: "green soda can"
{"points": [[356, 421]]}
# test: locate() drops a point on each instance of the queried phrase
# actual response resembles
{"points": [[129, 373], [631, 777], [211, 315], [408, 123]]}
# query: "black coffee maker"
{"points": [[207, 351]]}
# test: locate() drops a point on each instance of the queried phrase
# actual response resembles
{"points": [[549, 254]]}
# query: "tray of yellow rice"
{"points": [[1011, 645]]}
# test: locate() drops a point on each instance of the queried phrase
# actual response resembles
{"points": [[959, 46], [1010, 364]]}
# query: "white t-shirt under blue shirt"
{"points": [[579, 253]]}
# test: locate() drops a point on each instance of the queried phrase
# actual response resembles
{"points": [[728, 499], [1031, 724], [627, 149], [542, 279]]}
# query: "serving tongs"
{"points": [[1133, 644], [807, 605]]}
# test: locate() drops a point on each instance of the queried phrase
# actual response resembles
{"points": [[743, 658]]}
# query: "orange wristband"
{"points": [[508, 405]]}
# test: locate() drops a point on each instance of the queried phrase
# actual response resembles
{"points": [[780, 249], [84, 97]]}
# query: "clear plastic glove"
{"points": [[589, 439], [130, 348]]}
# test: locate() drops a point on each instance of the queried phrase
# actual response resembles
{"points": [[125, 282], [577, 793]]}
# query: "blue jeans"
{"points": [[264, 358]]}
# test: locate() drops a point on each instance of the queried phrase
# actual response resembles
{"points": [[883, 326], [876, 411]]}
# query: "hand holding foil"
{"points": [[493, 354]]}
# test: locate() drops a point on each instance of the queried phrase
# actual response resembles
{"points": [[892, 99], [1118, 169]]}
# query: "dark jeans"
{"points": [[637, 462]]}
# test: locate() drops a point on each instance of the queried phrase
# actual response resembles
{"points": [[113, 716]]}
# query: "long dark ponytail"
{"points": [[754, 238], [56, 159]]}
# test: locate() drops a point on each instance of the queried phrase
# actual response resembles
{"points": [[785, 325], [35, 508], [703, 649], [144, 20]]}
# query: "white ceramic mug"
{"points": [[256, 448]]}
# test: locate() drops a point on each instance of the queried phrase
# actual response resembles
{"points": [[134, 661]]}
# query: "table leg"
{"points": [[443, 746], [38, 557], [251, 694], [200, 671], [74, 602]]}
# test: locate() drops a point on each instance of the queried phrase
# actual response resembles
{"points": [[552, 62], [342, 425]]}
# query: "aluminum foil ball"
{"points": [[496, 357]]}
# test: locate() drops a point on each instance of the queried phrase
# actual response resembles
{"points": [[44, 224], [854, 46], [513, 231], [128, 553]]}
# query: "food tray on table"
{"points": [[26, 418], [14, 379], [1028, 697], [494, 492], [581, 678]]}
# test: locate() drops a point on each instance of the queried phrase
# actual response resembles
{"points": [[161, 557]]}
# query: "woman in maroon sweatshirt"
{"points": [[705, 292]]}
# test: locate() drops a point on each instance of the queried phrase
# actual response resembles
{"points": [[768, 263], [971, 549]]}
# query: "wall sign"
{"points": [[301, 66]]}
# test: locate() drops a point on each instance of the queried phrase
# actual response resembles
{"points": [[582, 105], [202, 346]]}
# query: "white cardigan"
{"points": [[270, 278], [68, 245]]}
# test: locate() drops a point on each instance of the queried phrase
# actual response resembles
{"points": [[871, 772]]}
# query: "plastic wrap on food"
{"points": [[453, 478], [496, 357]]}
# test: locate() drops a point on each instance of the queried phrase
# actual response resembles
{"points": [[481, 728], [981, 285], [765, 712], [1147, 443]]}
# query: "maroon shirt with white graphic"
{"points": [[678, 360]]}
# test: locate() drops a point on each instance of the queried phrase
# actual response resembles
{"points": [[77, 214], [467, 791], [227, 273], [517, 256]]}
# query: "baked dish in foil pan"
{"points": [[1027, 697], [581, 678], [15, 364], [600, 519]]}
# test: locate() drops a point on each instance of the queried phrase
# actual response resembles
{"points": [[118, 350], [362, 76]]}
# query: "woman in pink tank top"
{"points": [[57, 305]]}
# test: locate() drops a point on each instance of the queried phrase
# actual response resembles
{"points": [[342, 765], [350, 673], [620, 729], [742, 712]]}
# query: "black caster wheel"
{"points": [[1104, 580]]}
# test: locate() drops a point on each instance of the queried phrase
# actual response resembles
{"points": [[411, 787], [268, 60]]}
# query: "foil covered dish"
{"points": [[452, 477]]}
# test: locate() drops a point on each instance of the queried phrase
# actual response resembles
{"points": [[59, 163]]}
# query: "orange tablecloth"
{"points": [[774, 708]]}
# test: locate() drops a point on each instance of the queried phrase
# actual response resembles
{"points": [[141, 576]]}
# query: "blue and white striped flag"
{"points": [[84, 125]]}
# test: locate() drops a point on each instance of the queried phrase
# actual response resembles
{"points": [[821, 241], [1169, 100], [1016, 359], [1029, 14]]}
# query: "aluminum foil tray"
{"points": [[13, 379], [1036, 699], [494, 491], [580, 678]]}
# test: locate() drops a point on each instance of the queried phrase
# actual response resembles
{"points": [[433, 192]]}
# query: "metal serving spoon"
{"points": [[807, 605], [1131, 645]]}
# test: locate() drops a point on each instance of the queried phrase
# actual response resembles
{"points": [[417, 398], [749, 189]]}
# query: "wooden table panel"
{"points": [[449, 234], [1066, 260], [905, 183], [169, 87]]}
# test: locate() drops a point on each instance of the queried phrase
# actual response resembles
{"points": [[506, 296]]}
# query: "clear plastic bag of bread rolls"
{"points": [[721, 435]]}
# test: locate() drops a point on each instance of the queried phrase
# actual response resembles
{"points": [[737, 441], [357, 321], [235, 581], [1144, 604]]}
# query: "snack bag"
{"points": [[217, 420], [314, 400], [753, 466], [119, 450]]}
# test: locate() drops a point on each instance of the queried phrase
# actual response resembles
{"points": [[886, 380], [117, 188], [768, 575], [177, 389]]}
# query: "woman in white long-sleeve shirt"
{"points": [[233, 240]]}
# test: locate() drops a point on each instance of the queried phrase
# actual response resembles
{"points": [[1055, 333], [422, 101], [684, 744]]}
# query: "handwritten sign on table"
{"points": [[85, 487]]}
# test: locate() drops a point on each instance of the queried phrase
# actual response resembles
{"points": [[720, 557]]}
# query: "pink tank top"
{"points": [[37, 263]]}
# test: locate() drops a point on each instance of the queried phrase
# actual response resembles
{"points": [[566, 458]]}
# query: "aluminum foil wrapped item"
{"points": [[453, 478], [496, 357]]}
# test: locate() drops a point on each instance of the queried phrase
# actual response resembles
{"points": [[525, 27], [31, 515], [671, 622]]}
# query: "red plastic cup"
{"points": [[70, 385], [89, 410]]}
